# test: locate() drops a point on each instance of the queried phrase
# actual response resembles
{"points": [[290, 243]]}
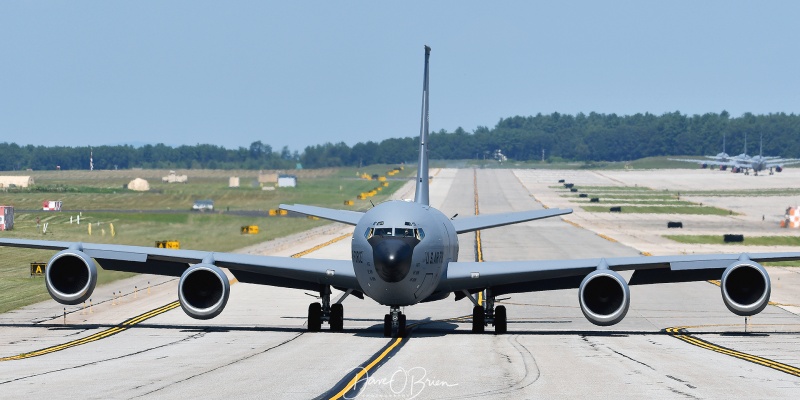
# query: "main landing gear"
{"points": [[395, 321], [486, 313], [332, 313]]}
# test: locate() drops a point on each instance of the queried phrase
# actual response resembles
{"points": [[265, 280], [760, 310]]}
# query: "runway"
{"points": [[258, 347]]}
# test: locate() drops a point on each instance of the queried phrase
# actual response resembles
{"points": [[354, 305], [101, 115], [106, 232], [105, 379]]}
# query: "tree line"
{"points": [[562, 137]]}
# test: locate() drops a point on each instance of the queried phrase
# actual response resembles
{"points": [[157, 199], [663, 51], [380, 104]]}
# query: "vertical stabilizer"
{"points": [[421, 196]]}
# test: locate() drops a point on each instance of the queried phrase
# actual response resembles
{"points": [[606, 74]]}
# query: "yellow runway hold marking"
{"points": [[682, 334], [97, 336]]}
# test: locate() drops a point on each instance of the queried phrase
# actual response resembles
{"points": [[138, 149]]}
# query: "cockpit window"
{"points": [[406, 232], [397, 232], [383, 231]]}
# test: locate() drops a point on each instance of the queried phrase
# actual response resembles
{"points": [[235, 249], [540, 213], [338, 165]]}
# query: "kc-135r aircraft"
{"points": [[404, 253]]}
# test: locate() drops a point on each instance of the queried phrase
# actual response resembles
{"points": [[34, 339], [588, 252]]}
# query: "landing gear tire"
{"points": [[478, 319], [337, 318], [401, 328], [387, 325], [314, 317], [500, 321]]}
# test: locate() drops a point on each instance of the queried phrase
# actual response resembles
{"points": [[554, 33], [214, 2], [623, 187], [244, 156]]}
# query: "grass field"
{"points": [[618, 202], [789, 191], [748, 241], [215, 231], [693, 210], [637, 200]]}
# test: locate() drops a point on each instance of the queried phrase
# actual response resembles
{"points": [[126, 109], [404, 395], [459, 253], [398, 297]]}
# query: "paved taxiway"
{"points": [[258, 348]]}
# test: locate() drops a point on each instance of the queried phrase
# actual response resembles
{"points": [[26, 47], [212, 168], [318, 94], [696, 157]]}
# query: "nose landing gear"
{"points": [[395, 321]]}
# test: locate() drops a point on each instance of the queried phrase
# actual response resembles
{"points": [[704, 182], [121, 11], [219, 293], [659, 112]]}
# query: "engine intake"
{"points": [[203, 291], [745, 288], [70, 277], [604, 297]]}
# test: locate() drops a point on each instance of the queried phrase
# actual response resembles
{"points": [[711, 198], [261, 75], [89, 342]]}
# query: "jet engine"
{"points": [[70, 276], [745, 288], [604, 297], [778, 169], [203, 291]]}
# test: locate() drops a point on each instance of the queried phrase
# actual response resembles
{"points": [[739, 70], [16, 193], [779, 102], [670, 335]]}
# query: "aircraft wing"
{"points": [[540, 275], [781, 162], [694, 160], [298, 273], [475, 222], [344, 216], [728, 163]]}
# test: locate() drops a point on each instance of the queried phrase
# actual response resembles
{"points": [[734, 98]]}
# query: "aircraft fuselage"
{"points": [[400, 251]]}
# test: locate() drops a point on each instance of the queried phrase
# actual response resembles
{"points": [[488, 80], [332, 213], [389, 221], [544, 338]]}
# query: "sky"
{"points": [[79, 73]]}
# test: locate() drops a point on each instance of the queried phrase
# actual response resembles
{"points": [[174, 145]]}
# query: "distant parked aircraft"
{"points": [[743, 162]]}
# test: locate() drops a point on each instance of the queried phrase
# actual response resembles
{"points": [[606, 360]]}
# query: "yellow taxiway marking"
{"points": [[319, 246], [682, 334], [97, 336], [366, 369], [478, 246], [137, 319], [395, 342]]}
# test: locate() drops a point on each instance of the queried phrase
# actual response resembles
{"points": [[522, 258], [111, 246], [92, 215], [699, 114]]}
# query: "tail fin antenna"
{"points": [[421, 196]]}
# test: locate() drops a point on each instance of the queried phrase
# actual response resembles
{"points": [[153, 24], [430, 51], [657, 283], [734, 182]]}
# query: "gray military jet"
{"points": [[743, 162], [404, 253]]}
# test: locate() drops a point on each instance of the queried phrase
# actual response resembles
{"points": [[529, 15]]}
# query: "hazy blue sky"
{"points": [[298, 73]]}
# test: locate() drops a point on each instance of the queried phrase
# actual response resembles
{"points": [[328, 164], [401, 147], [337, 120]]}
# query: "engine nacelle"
{"points": [[604, 297], [745, 288], [203, 291], [778, 169], [70, 277]]}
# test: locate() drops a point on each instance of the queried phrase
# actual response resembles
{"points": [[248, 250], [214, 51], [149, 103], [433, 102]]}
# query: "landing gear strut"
{"points": [[486, 313], [319, 313], [395, 321]]}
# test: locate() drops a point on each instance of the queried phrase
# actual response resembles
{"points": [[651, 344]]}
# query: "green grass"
{"points": [[782, 264], [748, 240], [788, 191], [699, 210], [213, 231], [639, 200], [617, 201]]}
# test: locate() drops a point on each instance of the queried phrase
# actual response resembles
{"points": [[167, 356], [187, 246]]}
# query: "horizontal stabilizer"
{"points": [[473, 223], [344, 216]]}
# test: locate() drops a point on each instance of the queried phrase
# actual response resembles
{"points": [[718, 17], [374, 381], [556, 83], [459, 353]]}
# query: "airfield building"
{"points": [[15, 181]]}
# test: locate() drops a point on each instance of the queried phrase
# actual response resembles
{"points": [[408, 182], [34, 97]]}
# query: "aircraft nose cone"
{"points": [[392, 257]]}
